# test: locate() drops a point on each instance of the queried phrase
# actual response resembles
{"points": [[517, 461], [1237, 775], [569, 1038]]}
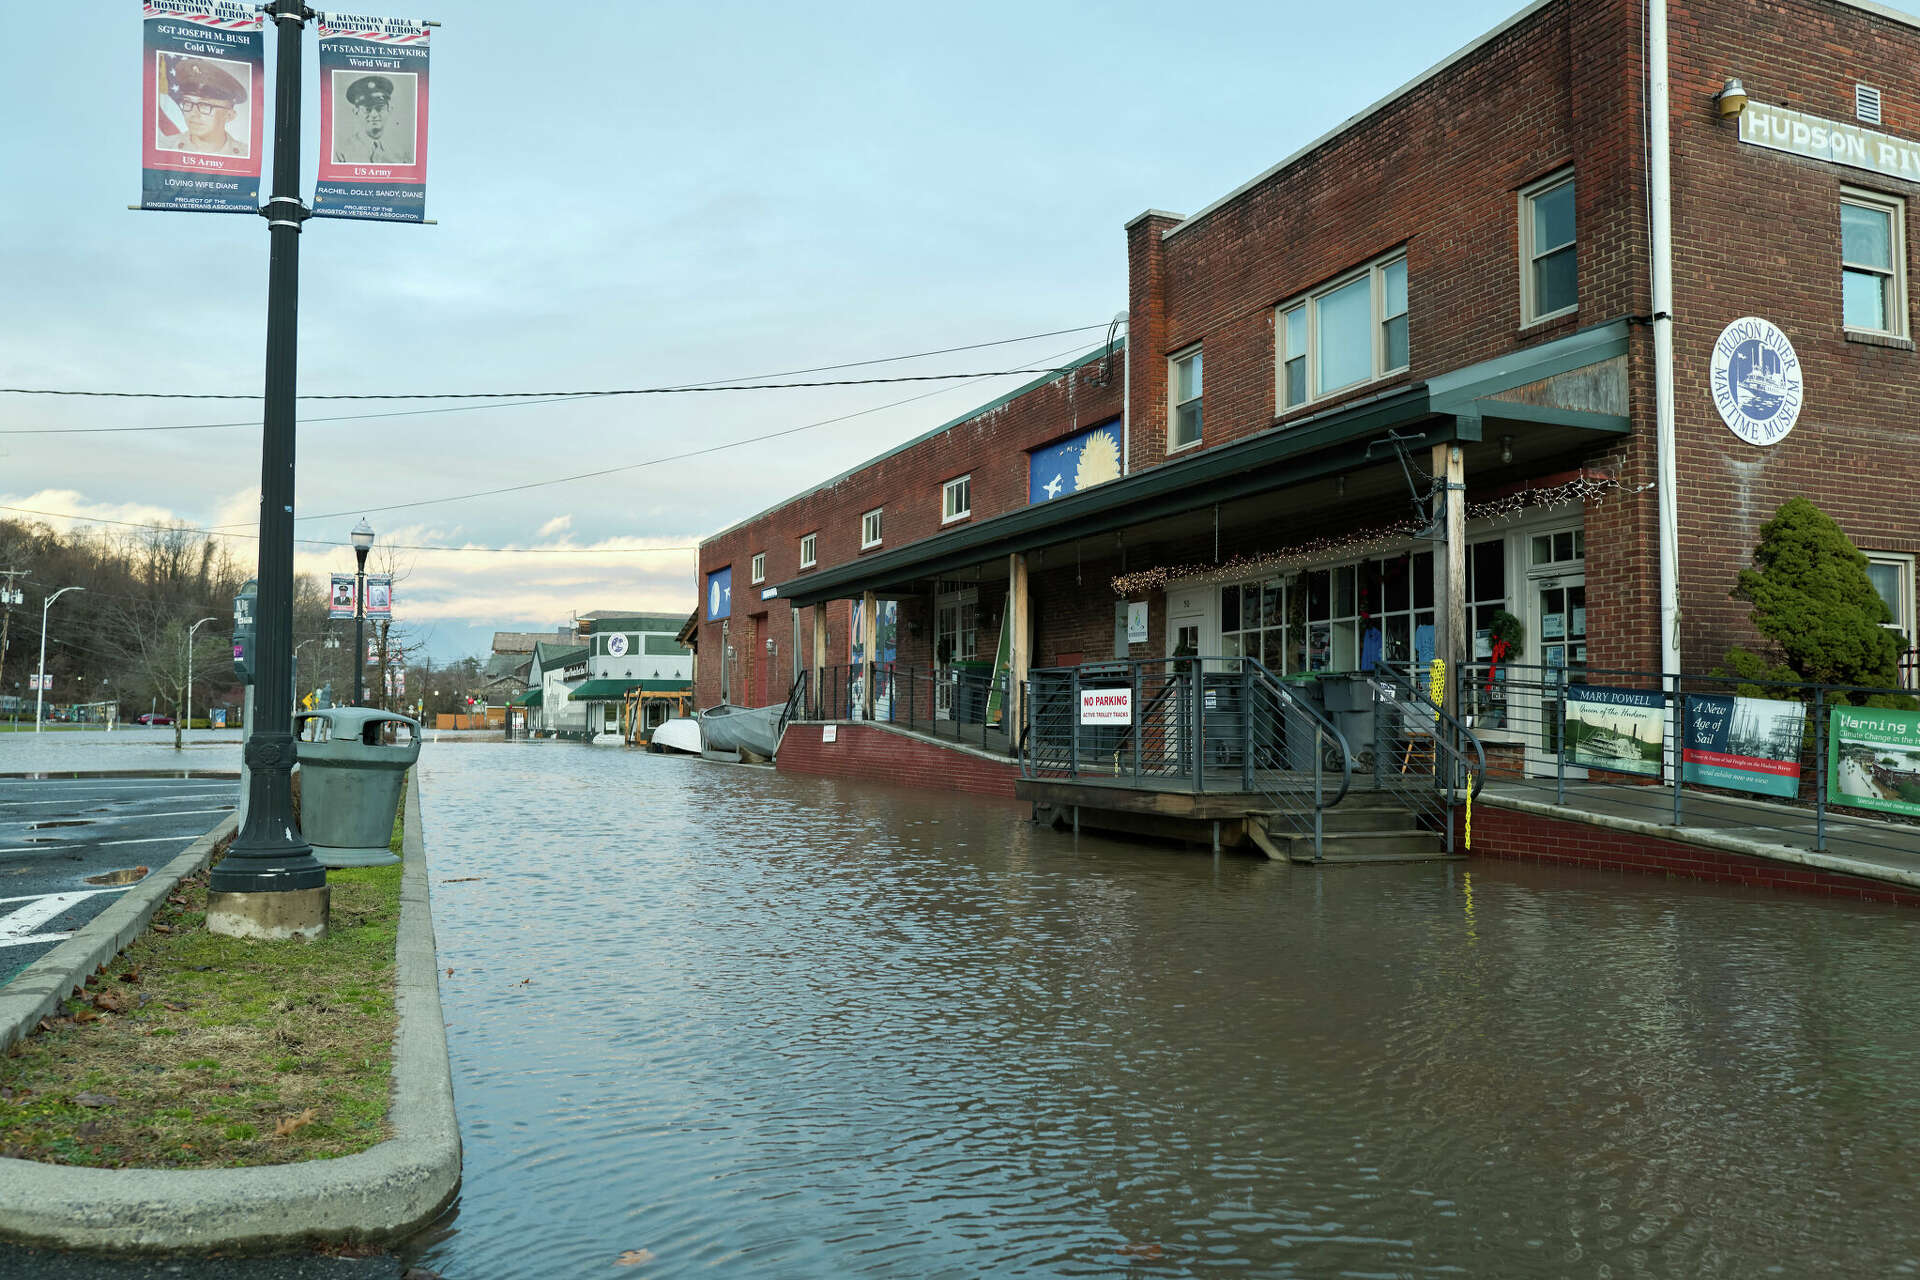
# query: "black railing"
{"points": [[964, 707], [1423, 757], [796, 700]]}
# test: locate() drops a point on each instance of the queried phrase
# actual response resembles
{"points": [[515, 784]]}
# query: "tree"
{"points": [[1812, 598]]}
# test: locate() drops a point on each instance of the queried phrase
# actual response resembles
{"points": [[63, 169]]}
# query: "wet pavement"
{"points": [[713, 1019]]}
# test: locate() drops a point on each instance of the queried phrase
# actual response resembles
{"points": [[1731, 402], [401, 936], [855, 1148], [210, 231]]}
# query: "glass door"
{"points": [[1559, 619]]}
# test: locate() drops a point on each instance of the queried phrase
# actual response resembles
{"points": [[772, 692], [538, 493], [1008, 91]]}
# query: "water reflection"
{"points": [[772, 1026]]}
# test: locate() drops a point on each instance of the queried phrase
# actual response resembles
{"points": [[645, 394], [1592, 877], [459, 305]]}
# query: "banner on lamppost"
{"points": [[203, 78], [373, 119], [380, 597], [340, 599]]}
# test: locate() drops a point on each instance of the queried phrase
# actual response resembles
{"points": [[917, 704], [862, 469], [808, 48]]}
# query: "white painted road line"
{"points": [[152, 840], [17, 929]]}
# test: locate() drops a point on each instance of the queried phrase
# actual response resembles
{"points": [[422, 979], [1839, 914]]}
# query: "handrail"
{"points": [[797, 694], [1476, 772], [1320, 720]]}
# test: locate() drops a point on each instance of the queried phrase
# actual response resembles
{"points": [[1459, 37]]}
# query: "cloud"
{"points": [[559, 524]]}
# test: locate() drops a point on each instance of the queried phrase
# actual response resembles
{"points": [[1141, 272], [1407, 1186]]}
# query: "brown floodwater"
{"points": [[729, 1022]]}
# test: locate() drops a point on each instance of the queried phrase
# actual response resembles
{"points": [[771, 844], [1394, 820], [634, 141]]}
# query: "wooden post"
{"points": [[820, 659], [869, 648], [1451, 638], [1017, 650]]}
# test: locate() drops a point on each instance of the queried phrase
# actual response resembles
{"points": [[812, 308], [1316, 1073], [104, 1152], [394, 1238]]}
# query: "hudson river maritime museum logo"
{"points": [[1757, 383]]}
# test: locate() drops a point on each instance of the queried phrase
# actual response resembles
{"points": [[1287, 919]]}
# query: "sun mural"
{"points": [[1099, 461]]}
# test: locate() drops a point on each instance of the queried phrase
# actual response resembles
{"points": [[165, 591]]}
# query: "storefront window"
{"points": [[1343, 618]]}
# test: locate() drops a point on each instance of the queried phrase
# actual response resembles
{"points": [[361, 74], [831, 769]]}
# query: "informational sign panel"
{"points": [[1745, 744], [200, 128], [340, 598], [1106, 706], [1079, 462], [1622, 730], [373, 119], [380, 597], [1137, 622], [1873, 760]]}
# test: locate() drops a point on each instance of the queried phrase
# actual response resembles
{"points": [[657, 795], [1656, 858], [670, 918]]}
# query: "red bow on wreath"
{"points": [[1500, 650]]}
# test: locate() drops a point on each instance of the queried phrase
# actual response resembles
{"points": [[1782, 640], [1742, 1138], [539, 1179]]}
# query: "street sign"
{"points": [[243, 631]]}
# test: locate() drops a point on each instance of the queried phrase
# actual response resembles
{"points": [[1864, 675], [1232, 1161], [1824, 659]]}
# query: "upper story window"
{"points": [[1348, 332], [807, 544], [1549, 279], [870, 529], [760, 566], [1873, 284], [956, 499], [1185, 385]]}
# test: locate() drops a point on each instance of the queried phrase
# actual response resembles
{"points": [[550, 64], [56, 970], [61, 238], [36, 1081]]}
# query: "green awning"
{"points": [[605, 690], [531, 698]]}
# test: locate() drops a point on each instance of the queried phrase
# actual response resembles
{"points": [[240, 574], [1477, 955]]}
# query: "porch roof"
{"points": [[607, 690], [1446, 409]]}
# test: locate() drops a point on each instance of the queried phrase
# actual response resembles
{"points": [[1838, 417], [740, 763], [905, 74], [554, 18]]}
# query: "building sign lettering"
{"points": [[1758, 385], [1797, 133]]}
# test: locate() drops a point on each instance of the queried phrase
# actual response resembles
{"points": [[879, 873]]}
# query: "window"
{"points": [[1873, 293], [870, 529], [1339, 619], [1549, 281], [956, 499], [1185, 429], [760, 566], [806, 550], [1351, 331], [1892, 576]]}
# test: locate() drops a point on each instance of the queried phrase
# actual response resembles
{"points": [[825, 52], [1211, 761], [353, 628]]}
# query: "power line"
{"points": [[322, 542]]}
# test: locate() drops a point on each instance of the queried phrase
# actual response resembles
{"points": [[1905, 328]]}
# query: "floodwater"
{"points": [[721, 1021], [128, 748]]}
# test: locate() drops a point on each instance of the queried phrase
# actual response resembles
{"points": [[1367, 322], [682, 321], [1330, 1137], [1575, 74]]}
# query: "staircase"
{"points": [[1364, 828]]}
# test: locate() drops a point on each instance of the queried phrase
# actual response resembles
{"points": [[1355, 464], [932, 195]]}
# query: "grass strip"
{"points": [[195, 1051]]}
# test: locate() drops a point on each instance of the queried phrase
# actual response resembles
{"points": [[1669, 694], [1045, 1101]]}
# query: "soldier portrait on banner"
{"points": [[202, 78]]}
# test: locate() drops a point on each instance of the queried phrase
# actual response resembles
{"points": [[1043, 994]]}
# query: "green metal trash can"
{"points": [[353, 761]]}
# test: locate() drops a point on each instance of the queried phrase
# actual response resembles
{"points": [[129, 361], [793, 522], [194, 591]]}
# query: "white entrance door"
{"points": [[1557, 628]]}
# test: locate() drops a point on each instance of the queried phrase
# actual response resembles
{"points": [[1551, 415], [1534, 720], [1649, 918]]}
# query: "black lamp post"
{"points": [[269, 884], [362, 536]]}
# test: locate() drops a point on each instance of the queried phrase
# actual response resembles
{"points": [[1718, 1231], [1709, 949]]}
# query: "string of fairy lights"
{"points": [[1587, 488]]}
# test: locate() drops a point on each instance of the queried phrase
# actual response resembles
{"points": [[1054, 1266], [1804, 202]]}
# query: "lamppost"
{"points": [[40, 681], [190, 630], [362, 536]]}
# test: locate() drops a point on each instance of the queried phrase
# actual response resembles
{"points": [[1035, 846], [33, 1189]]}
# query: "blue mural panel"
{"points": [[720, 594], [1079, 462]]}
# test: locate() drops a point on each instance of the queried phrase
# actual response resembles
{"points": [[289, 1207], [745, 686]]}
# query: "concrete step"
{"points": [[1402, 844], [1345, 816]]}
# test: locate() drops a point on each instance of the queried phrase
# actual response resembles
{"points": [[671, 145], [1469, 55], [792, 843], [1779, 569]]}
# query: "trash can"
{"points": [[1350, 705], [972, 681], [353, 761]]}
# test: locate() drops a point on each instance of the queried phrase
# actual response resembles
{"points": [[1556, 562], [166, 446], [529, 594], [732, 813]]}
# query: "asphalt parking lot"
{"points": [[56, 832]]}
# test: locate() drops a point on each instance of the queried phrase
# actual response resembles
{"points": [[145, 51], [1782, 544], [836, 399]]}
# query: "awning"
{"points": [[605, 690], [531, 698]]}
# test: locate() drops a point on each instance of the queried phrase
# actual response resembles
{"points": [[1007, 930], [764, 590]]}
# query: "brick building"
{"points": [[1451, 287]]}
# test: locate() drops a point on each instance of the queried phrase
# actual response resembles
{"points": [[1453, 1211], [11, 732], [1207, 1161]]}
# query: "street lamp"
{"points": [[362, 536], [190, 630], [40, 681]]}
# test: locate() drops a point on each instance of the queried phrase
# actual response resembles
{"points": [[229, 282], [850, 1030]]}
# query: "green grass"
{"points": [[221, 1052]]}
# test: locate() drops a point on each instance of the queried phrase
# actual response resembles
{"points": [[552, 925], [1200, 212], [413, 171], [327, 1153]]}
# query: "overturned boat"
{"points": [[752, 731], [682, 733]]}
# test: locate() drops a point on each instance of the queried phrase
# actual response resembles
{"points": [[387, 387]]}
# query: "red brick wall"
{"points": [[870, 754], [1527, 837], [1757, 232]]}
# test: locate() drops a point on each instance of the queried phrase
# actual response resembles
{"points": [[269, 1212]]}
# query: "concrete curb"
{"points": [[1708, 838], [42, 985], [380, 1193]]}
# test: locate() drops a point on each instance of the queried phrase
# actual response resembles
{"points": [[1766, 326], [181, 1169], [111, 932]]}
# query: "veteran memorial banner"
{"points": [[373, 119], [1873, 760], [340, 599], [1623, 730], [1745, 744], [203, 78], [379, 597]]}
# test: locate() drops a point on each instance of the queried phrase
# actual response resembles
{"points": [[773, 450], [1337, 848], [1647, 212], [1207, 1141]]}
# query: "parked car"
{"points": [[152, 718]]}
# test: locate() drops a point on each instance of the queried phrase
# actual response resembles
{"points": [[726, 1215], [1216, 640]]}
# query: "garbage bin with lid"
{"points": [[353, 761]]}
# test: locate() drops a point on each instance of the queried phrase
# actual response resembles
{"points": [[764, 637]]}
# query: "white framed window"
{"points": [[1891, 573], [956, 499], [807, 544], [1873, 254], [870, 529], [1349, 331], [1549, 275], [1184, 385], [759, 566]]}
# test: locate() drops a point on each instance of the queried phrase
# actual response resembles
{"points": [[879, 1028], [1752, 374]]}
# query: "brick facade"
{"points": [[868, 753], [1438, 171]]}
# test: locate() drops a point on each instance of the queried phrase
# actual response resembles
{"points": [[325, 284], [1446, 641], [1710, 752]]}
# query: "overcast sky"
{"points": [[637, 194]]}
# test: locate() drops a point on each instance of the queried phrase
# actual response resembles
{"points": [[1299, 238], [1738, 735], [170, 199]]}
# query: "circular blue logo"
{"points": [[1757, 382]]}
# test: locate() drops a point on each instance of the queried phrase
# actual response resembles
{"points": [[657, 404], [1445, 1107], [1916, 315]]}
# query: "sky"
{"points": [[629, 195]]}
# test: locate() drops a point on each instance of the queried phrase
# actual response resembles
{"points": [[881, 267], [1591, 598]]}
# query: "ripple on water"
{"points": [[758, 1024]]}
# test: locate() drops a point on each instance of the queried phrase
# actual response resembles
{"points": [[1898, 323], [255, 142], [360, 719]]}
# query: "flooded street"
{"points": [[759, 1025]]}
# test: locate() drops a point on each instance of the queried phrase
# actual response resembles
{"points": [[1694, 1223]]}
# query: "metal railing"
{"points": [[1701, 750], [960, 707], [796, 700], [1423, 757], [1205, 725]]}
